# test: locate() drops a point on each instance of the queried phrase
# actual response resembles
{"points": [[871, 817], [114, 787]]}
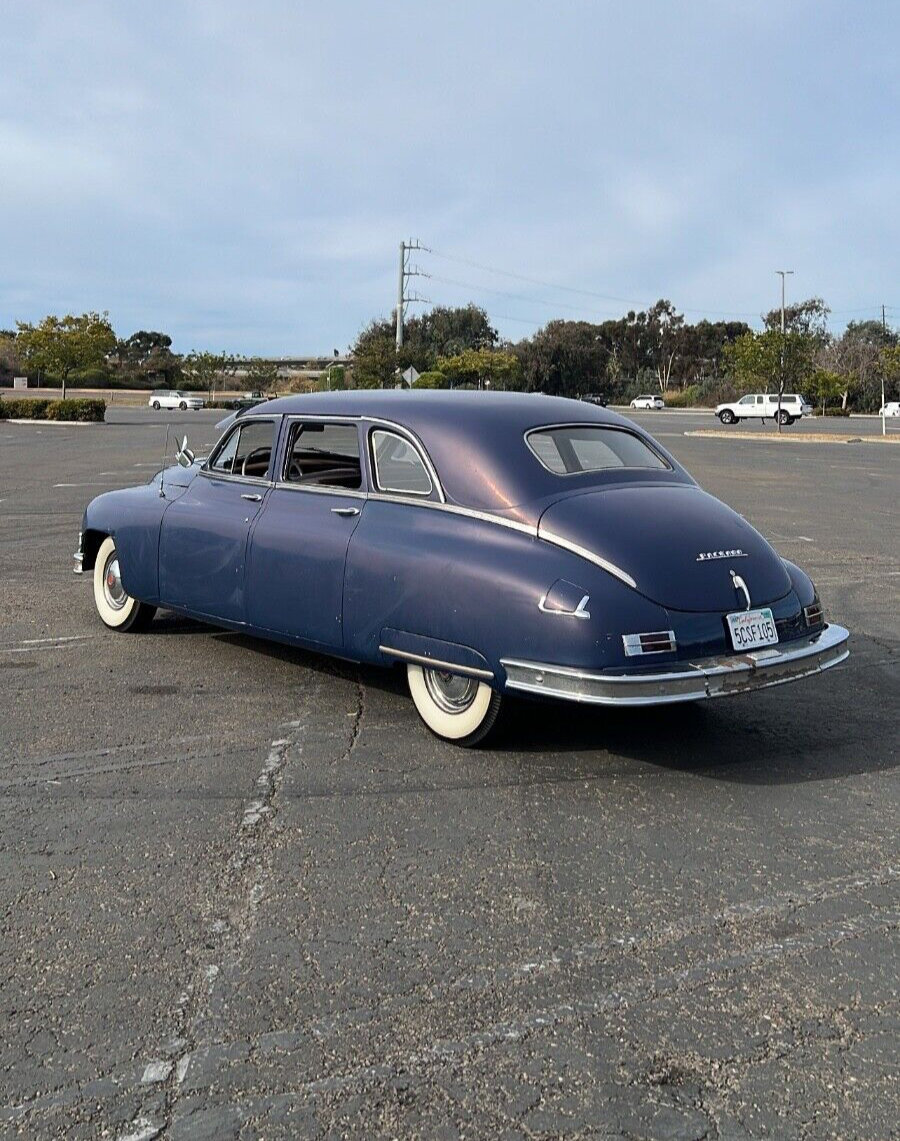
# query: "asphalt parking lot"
{"points": [[246, 895]]}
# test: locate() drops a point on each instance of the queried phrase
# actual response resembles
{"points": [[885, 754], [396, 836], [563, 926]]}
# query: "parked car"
{"points": [[890, 408], [246, 400], [655, 403], [489, 543], [764, 405], [598, 398], [182, 400]]}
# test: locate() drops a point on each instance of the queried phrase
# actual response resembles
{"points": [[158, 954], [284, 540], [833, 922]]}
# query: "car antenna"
{"points": [[162, 494]]}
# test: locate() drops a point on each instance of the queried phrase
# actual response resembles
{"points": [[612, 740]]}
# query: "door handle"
{"points": [[252, 498], [348, 511]]}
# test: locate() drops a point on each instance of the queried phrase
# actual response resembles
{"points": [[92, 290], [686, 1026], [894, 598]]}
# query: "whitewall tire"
{"points": [[456, 708], [117, 610]]}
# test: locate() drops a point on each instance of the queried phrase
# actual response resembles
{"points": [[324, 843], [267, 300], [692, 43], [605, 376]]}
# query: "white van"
{"points": [[763, 406]]}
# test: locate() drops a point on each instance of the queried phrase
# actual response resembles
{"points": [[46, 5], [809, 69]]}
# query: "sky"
{"points": [[240, 175]]}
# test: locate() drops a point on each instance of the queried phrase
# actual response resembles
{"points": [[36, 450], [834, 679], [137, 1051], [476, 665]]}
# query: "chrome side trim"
{"points": [[320, 489], [254, 479], [686, 681], [578, 612], [583, 552], [435, 663], [452, 509]]}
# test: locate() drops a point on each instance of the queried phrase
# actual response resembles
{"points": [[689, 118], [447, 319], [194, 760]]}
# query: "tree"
{"points": [[203, 370], [57, 346], [482, 368], [147, 355], [566, 358], [890, 368], [260, 375], [809, 317], [770, 360], [856, 355], [825, 386], [374, 357]]}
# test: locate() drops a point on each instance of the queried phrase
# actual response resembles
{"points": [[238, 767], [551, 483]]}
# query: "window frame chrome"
{"points": [[373, 461], [267, 481], [328, 489], [667, 466]]}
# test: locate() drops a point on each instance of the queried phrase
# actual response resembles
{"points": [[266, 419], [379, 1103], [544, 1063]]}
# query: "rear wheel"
{"points": [[727, 416], [455, 708], [156, 405], [117, 610], [183, 406]]}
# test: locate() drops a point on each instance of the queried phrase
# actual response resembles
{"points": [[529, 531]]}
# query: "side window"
{"points": [[760, 399], [223, 460], [746, 400], [397, 465], [324, 455], [247, 451]]}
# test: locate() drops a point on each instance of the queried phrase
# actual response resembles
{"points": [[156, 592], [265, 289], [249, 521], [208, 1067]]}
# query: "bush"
{"points": [[834, 411], [81, 411], [682, 398], [431, 379]]}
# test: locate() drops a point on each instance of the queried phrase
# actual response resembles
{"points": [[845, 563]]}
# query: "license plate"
{"points": [[752, 628]]}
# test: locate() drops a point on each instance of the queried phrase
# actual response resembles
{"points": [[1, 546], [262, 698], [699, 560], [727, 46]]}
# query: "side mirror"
{"points": [[184, 455]]}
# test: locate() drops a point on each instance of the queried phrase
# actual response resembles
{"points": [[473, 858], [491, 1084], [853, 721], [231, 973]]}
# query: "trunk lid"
{"points": [[678, 543]]}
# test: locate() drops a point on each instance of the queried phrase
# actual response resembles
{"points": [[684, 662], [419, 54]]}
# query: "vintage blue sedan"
{"points": [[491, 543]]}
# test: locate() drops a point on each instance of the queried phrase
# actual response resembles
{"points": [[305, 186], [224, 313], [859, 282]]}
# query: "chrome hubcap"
{"points": [[112, 583], [450, 692]]}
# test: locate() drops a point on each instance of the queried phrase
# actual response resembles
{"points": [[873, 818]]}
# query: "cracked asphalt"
{"points": [[245, 894]]}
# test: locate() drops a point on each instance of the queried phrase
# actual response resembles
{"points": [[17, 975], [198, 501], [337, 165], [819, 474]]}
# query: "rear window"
{"points": [[582, 448]]}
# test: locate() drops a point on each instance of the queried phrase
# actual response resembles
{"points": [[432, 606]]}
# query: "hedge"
{"points": [[83, 411]]}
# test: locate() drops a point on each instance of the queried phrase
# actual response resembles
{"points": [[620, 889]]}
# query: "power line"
{"points": [[581, 292], [514, 296]]}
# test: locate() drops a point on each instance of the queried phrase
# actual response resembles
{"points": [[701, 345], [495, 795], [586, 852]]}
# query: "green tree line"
{"points": [[452, 347]]}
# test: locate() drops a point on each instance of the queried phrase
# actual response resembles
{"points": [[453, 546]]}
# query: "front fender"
{"points": [[133, 517]]}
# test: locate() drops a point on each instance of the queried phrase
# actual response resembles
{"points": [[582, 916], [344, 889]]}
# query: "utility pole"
{"points": [[784, 273], [406, 272], [884, 331]]}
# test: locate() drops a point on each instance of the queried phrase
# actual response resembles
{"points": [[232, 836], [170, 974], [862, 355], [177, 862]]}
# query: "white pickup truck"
{"points": [[764, 405]]}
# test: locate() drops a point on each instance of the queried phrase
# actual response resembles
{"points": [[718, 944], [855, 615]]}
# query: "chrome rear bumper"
{"points": [[684, 681]]}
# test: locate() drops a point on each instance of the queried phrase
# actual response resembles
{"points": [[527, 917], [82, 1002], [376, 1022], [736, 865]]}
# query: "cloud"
{"points": [[243, 174]]}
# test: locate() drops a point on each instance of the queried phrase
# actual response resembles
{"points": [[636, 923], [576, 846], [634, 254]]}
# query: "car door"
{"points": [[205, 532], [299, 546]]}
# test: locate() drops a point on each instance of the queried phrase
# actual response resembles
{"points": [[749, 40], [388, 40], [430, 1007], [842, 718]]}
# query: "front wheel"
{"points": [[155, 405], [183, 406], [117, 610], [455, 708], [727, 416], [784, 418]]}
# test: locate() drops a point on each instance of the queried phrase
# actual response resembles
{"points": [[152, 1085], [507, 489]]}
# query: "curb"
{"points": [[800, 438], [57, 423]]}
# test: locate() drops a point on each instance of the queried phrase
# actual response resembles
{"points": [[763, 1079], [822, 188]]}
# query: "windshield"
{"points": [[581, 448]]}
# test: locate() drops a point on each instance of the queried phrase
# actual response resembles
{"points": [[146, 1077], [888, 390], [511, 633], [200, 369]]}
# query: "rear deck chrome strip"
{"points": [[584, 553]]}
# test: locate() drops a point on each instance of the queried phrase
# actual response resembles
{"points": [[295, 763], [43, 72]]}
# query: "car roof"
{"points": [[476, 440]]}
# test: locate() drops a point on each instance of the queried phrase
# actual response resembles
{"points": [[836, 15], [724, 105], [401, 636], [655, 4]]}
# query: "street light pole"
{"points": [[783, 273]]}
